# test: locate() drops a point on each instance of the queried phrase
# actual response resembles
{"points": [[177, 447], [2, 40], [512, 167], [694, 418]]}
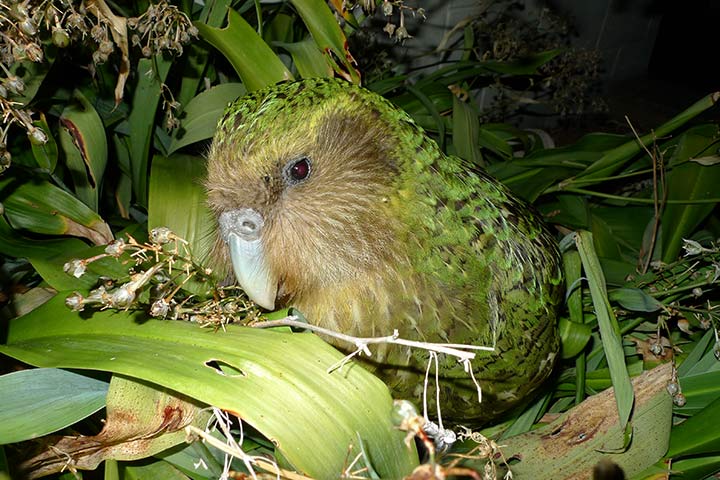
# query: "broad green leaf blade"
{"points": [[15, 245], [46, 155], [328, 35], [197, 459], [466, 129], [572, 266], [700, 391], [308, 60], [693, 436], [614, 159], [193, 74], [284, 390], [201, 115], [52, 271], [688, 181], [635, 300], [152, 73], [495, 140], [609, 330], [32, 74], [44, 400], [525, 421], [177, 201], [574, 337], [83, 139], [252, 58], [41, 207], [528, 65], [159, 470], [693, 468]]}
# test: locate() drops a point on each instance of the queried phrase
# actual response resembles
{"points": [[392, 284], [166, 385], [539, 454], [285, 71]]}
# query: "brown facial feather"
{"points": [[329, 228]]}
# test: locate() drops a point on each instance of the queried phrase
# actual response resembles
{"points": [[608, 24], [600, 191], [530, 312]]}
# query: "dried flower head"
{"points": [[75, 267]]}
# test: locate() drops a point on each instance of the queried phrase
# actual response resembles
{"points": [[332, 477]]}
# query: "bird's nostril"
{"points": [[246, 223]]}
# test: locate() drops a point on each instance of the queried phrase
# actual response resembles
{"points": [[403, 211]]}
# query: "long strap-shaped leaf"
{"points": [[609, 330], [329, 36], [252, 58], [277, 382]]}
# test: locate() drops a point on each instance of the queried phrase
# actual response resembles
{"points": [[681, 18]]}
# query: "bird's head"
{"points": [[303, 178]]}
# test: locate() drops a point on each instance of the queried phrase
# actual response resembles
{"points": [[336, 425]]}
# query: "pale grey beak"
{"points": [[242, 231]]}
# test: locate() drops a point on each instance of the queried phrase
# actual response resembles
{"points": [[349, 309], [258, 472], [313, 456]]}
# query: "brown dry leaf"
{"points": [[572, 445], [141, 421], [118, 30], [644, 347], [99, 234]]}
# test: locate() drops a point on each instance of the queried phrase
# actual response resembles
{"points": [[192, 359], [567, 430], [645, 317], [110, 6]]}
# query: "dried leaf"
{"points": [[142, 420], [573, 444], [118, 30]]}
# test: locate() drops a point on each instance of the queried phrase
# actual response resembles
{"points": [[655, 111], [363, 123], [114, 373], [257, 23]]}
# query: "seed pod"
{"points": [[106, 47], [15, 85], [656, 349], [679, 400], [28, 27], [60, 37], [20, 11], [75, 302], [387, 8], [75, 267], [37, 136], [34, 52]]}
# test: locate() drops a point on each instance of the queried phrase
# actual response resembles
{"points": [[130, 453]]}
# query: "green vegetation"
{"points": [[107, 109]]}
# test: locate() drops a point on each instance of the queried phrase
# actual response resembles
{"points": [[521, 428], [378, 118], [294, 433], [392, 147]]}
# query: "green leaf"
{"points": [[252, 58], [609, 330], [41, 207], [693, 468], [284, 390], [687, 181], [51, 268], [466, 129], [635, 300], [201, 115], [575, 336], [152, 73], [40, 401], [187, 457], [307, 58], [32, 74], [160, 470], [614, 159], [328, 35], [46, 154], [525, 421], [15, 245], [495, 138], [83, 140], [693, 435], [177, 201]]}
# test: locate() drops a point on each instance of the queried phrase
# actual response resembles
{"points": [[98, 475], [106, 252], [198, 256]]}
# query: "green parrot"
{"points": [[331, 200]]}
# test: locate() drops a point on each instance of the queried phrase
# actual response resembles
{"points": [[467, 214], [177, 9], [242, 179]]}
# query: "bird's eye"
{"points": [[297, 170]]}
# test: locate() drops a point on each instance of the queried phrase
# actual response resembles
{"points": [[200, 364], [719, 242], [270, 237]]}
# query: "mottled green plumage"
{"points": [[389, 233]]}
